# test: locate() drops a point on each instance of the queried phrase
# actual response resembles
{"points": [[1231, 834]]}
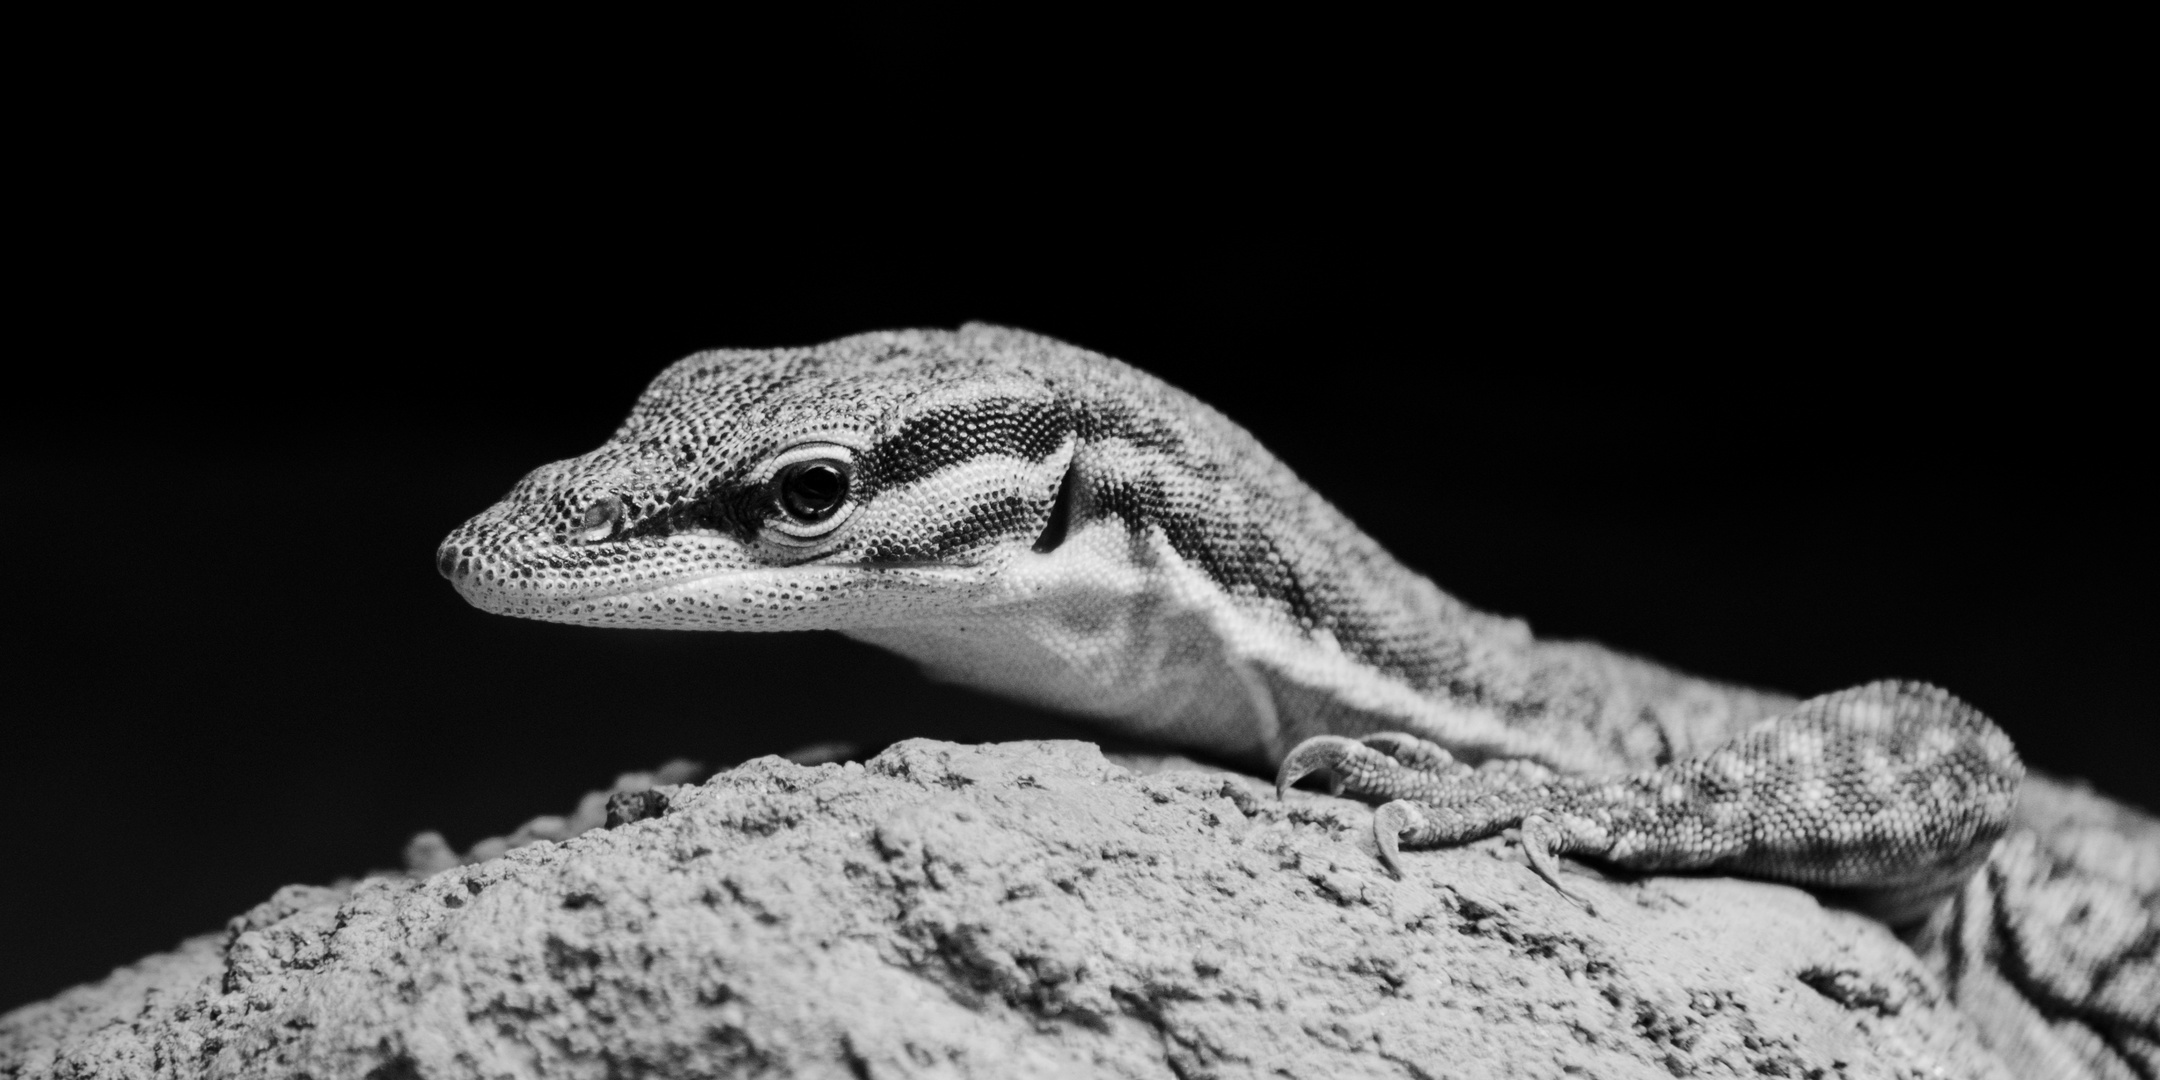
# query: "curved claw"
{"points": [[1539, 837], [1389, 824], [1310, 756]]}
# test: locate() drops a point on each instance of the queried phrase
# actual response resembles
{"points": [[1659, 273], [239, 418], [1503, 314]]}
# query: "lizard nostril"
{"points": [[446, 562]]}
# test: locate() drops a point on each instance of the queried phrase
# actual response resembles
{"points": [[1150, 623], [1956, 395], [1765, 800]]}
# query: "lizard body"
{"points": [[1042, 522]]}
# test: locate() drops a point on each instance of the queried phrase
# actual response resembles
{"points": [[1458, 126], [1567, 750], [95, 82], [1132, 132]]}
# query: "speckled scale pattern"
{"points": [[1861, 787]]}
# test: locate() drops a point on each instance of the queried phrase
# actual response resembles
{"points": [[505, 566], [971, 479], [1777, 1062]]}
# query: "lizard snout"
{"points": [[449, 565]]}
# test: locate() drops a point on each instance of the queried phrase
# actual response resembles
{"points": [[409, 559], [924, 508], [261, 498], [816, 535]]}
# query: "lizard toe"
{"points": [[1390, 823], [1311, 756], [1542, 837]]}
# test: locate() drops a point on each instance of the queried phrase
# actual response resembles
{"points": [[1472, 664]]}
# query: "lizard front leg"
{"points": [[1892, 791]]}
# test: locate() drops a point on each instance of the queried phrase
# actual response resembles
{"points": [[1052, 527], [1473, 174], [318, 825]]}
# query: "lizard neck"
{"points": [[1191, 589]]}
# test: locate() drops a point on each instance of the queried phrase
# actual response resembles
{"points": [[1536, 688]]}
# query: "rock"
{"points": [[1014, 910]]}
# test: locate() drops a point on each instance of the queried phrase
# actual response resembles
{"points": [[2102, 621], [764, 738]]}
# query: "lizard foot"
{"points": [[1430, 799], [1382, 766], [1393, 765], [1422, 825], [1895, 789]]}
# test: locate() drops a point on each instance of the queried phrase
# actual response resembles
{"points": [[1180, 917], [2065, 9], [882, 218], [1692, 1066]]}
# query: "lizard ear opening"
{"points": [[1060, 521]]}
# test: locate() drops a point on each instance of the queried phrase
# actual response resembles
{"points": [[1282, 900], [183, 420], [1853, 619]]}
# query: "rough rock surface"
{"points": [[1016, 910]]}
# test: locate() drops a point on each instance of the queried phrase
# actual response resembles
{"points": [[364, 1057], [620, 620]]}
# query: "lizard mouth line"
{"points": [[666, 583]]}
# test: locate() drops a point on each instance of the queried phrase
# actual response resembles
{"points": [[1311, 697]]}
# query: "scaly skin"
{"points": [[1045, 523]]}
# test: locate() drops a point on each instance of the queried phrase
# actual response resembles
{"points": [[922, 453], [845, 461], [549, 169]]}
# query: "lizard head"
{"points": [[867, 481]]}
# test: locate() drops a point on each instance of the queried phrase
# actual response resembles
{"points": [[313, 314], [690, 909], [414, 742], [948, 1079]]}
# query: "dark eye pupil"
{"points": [[813, 491]]}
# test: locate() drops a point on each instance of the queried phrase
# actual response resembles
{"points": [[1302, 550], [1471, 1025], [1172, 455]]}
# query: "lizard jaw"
{"points": [[552, 586]]}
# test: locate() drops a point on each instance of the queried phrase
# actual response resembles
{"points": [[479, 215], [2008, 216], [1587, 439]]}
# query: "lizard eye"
{"points": [[810, 491], [600, 520]]}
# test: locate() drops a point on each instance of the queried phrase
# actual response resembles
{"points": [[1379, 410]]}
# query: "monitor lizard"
{"points": [[1042, 522]]}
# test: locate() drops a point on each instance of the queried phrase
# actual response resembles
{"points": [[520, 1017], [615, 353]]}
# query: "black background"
{"points": [[1791, 392]]}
